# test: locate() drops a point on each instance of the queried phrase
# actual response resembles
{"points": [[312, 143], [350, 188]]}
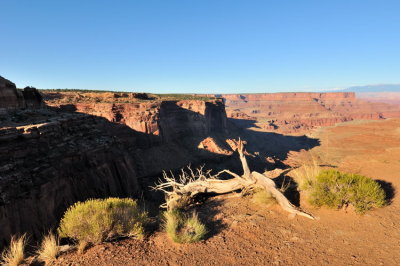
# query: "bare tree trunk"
{"points": [[193, 183], [246, 169]]}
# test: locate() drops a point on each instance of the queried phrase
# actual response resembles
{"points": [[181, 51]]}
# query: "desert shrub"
{"points": [[98, 220], [335, 189], [49, 248], [183, 229], [262, 196], [15, 254]]}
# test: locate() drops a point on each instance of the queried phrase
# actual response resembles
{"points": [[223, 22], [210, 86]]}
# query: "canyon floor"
{"points": [[244, 233]]}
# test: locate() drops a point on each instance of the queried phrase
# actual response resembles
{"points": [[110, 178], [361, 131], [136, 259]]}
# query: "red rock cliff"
{"points": [[300, 112], [170, 120]]}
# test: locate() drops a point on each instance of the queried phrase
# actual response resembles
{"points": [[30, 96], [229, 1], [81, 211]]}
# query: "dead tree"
{"points": [[182, 190]]}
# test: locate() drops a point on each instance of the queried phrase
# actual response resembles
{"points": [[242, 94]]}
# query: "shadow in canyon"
{"points": [[244, 123]]}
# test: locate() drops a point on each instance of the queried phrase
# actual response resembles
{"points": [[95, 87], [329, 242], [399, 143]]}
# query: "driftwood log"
{"points": [[182, 190]]}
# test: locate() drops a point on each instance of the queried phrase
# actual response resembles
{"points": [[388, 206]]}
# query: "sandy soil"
{"points": [[244, 233]]}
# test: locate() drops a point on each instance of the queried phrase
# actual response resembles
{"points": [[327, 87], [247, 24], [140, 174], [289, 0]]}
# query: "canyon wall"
{"points": [[170, 120], [46, 167]]}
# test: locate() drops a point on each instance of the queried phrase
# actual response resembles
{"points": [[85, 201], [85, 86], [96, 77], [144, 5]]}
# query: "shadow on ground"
{"points": [[389, 190], [208, 214]]}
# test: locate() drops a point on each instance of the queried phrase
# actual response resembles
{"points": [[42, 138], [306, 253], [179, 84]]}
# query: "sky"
{"points": [[200, 46]]}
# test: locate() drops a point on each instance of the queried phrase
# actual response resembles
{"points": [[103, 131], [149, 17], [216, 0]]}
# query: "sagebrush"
{"points": [[335, 189], [184, 229], [98, 220]]}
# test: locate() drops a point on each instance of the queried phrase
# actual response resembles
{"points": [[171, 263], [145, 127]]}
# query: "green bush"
{"points": [[183, 229], [98, 220], [335, 189]]}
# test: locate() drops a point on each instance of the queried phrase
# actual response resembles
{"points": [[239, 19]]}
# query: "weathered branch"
{"points": [[180, 191], [269, 185], [246, 169]]}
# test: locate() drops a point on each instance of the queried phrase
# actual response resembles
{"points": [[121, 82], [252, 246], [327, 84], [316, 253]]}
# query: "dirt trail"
{"points": [[244, 233]]}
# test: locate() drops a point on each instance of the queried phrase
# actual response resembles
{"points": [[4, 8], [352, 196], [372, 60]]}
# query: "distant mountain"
{"points": [[375, 88]]}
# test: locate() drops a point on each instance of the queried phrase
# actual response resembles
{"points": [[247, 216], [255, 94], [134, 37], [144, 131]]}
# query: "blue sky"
{"points": [[200, 46]]}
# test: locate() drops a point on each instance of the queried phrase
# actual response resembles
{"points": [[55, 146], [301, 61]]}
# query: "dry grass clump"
{"points": [[49, 248], [98, 220], [15, 254], [306, 174], [264, 197], [183, 229], [334, 189]]}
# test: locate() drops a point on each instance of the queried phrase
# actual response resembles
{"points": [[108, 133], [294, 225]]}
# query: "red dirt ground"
{"points": [[244, 233]]}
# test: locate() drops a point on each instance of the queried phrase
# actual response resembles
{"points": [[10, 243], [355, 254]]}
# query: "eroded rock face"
{"points": [[171, 120], [142, 117], [46, 167], [13, 98], [191, 119]]}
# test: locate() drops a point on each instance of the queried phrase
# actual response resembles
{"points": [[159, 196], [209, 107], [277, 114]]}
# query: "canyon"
{"points": [[60, 147], [298, 113]]}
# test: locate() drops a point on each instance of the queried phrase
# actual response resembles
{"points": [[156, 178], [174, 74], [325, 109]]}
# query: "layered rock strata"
{"points": [[301, 112], [168, 119]]}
